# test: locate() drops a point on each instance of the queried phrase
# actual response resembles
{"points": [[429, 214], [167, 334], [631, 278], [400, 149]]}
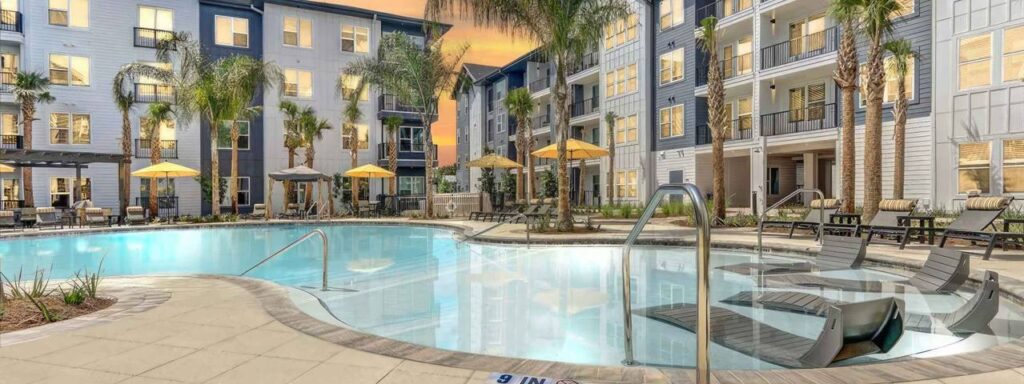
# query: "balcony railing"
{"points": [[382, 153], [7, 79], [541, 121], [390, 103], [588, 61], [167, 205], [168, 149], [585, 107], [722, 9], [808, 119], [800, 48], [11, 141], [150, 38], [11, 204], [740, 129], [540, 84], [10, 21], [731, 67], [154, 93]]}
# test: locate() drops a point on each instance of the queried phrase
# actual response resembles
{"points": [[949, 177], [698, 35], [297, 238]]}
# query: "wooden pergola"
{"points": [[35, 158]]}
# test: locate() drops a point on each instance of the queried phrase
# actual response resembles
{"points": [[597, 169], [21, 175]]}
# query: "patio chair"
{"points": [[7, 220], [95, 216], [980, 213], [819, 209], [886, 221], [259, 212], [837, 253], [135, 215], [48, 217], [507, 213], [291, 211]]}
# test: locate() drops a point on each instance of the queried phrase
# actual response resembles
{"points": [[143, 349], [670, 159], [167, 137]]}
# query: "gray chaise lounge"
{"points": [[837, 253], [944, 271], [980, 213], [820, 213]]}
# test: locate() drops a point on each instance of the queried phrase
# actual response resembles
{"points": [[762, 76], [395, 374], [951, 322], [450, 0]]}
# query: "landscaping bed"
{"points": [[18, 314]]}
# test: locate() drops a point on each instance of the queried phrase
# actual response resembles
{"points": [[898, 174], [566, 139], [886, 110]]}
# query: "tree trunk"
{"points": [[560, 92], [845, 76], [214, 167], [233, 183], [28, 114], [611, 163], [126, 151], [717, 123], [393, 163], [288, 186], [353, 151], [873, 131], [899, 139], [154, 158], [428, 157], [520, 147], [310, 156], [531, 186], [583, 176]]}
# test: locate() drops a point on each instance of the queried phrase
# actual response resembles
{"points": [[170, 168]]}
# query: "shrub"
{"points": [[73, 296], [89, 282]]}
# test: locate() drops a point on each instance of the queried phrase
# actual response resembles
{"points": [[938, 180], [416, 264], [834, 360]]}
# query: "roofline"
{"points": [[337, 9], [516, 61]]}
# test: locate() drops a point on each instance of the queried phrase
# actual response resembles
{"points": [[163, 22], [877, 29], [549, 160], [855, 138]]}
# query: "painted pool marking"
{"points": [[508, 378]]}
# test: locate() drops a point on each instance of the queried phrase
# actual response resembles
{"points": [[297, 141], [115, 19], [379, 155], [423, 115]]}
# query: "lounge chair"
{"points": [[7, 220], [980, 213], [820, 212], [135, 215], [944, 271], [291, 211], [47, 217], [837, 252], [887, 223], [259, 212], [95, 216]]}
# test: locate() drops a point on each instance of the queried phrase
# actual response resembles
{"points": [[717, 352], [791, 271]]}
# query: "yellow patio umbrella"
{"points": [[494, 161], [370, 171], [6, 168], [575, 150], [166, 170]]}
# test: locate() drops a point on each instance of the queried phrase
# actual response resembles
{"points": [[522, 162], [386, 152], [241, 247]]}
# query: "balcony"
{"points": [[153, 93], [541, 121], [168, 149], [390, 103], [167, 205], [406, 158], [722, 9], [7, 79], [11, 142], [151, 38], [540, 84], [741, 129], [800, 48], [584, 107], [733, 67], [10, 21], [8, 205], [588, 61], [813, 118]]}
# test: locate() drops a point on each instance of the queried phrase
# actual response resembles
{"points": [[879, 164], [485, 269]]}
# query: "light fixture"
{"points": [[661, 155], [771, 87], [680, 153], [772, 21]]}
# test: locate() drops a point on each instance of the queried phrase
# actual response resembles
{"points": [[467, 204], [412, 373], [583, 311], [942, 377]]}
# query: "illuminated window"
{"points": [[671, 66], [1013, 166], [231, 31], [68, 128], [620, 32], [672, 121], [224, 135], [355, 39], [298, 83], [1013, 54], [156, 18], [906, 8], [362, 132], [671, 13], [69, 70], [244, 191], [975, 61], [349, 83], [625, 129], [298, 32], [974, 167], [625, 183], [69, 13]]}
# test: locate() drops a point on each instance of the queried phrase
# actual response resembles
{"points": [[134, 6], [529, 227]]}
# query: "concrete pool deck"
{"points": [[199, 329]]}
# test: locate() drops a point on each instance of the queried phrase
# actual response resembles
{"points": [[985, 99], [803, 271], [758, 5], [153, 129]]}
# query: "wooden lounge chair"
{"points": [[135, 215], [837, 252], [944, 271], [820, 210], [95, 216], [7, 220], [47, 217], [259, 212], [887, 223], [980, 213]]}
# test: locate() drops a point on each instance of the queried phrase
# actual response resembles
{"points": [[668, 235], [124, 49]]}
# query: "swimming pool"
{"points": [[422, 285]]}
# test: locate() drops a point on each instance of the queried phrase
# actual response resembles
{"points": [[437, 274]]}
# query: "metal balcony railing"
{"points": [[588, 61], [168, 149], [541, 121], [540, 84], [11, 204], [12, 141], [7, 79], [390, 103], [585, 107], [731, 67], [382, 153], [150, 38], [739, 129], [154, 93], [10, 21], [167, 205], [800, 48], [722, 9], [812, 118]]}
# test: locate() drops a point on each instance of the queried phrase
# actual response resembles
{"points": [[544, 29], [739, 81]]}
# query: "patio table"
{"points": [[925, 223]]}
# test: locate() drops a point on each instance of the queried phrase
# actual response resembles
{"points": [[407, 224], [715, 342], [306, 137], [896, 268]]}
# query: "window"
{"points": [[671, 66], [906, 8], [355, 39], [672, 121], [349, 84], [69, 70], [244, 188], [975, 61], [774, 186], [231, 31], [744, 113], [621, 81], [1013, 54], [410, 139], [500, 121], [11, 189], [807, 103], [224, 135], [69, 13], [411, 185], [625, 183], [807, 36], [671, 13], [891, 86], [8, 67], [625, 129], [973, 167], [362, 132], [61, 189], [156, 18], [620, 32], [67, 128], [146, 127], [164, 188], [1013, 166], [298, 83], [730, 8], [298, 32], [8, 126]]}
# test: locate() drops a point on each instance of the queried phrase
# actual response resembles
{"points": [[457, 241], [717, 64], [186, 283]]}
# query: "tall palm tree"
{"points": [[902, 55], [416, 76], [156, 113], [565, 30], [123, 92], [848, 14], [717, 120], [245, 77], [313, 130], [391, 124], [353, 115], [877, 26], [29, 89], [292, 139], [519, 104], [609, 119]]}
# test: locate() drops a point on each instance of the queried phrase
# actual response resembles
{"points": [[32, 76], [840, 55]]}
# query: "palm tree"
{"points": [[848, 14], [29, 88], [123, 93], [416, 76], [353, 115], [313, 130], [292, 140], [877, 25], [902, 54], [155, 114], [717, 120], [609, 120], [391, 124], [564, 31], [519, 104]]}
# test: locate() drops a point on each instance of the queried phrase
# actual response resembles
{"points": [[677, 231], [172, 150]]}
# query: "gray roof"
{"points": [[479, 71], [299, 173]]}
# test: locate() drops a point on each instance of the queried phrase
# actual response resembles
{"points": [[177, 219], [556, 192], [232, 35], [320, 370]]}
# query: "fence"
{"points": [[463, 203]]}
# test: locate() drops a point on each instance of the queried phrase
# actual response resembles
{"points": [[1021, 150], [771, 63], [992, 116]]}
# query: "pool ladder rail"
{"points": [[703, 225], [315, 232], [526, 219], [764, 215]]}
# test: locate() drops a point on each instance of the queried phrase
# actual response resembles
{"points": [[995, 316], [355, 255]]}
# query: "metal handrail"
{"points": [[526, 219], [703, 224], [760, 219], [313, 205], [323, 237]]}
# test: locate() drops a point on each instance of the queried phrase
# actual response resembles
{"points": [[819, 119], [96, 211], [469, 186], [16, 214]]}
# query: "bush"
{"points": [[73, 296]]}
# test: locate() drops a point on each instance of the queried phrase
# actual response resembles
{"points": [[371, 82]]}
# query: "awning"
{"points": [[300, 173]]}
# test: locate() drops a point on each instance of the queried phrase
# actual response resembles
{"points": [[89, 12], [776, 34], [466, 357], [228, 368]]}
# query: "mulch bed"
{"points": [[17, 314]]}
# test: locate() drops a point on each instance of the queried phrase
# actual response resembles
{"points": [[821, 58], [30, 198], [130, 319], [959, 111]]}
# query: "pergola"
{"points": [[300, 174], [35, 158]]}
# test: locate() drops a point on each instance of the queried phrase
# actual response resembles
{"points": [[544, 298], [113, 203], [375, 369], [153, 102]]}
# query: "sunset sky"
{"points": [[488, 47]]}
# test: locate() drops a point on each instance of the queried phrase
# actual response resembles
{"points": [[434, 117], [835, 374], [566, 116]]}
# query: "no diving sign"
{"points": [[508, 378]]}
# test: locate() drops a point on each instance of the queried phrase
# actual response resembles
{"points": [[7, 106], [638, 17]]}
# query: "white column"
{"points": [[810, 174], [758, 164]]}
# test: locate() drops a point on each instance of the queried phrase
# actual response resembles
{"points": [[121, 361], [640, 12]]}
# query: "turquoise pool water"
{"points": [[422, 285]]}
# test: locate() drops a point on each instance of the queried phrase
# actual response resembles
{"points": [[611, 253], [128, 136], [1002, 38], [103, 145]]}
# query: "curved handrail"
{"points": [[760, 219], [526, 219], [703, 224], [315, 232]]}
